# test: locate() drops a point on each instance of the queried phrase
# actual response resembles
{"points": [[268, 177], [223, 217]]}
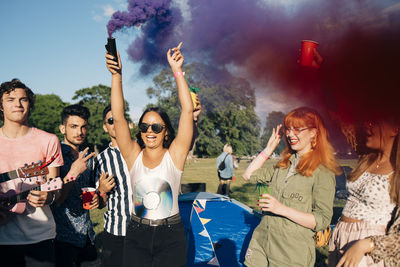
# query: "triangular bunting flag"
{"points": [[204, 233], [204, 221], [202, 203], [198, 209], [214, 261]]}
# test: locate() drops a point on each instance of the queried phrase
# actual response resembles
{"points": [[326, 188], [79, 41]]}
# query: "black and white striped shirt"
{"points": [[119, 202]]}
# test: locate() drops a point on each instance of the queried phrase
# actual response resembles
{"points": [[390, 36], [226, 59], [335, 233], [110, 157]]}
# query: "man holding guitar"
{"points": [[25, 239]]}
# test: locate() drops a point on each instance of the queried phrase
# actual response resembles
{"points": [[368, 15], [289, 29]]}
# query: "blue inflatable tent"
{"points": [[218, 229]]}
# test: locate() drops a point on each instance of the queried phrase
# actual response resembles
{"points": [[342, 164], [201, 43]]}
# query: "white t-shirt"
{"points": [[155, 191], [34, 224]]}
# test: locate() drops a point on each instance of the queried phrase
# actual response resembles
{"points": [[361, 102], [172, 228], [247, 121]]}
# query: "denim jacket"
{"points": [[228, 171]]}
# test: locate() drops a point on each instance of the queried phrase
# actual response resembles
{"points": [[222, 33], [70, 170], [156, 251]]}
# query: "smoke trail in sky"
{"points": [[359, 41]]}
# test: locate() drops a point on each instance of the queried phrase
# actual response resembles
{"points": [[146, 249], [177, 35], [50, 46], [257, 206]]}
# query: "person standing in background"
{"points": [[225, 174]]}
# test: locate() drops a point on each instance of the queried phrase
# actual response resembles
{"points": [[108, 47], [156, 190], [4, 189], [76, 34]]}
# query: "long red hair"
{"points": [[321, 149]]}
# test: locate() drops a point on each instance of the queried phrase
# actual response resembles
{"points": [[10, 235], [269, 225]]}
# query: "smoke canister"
{"points": [[112, 48], [193, 93], [307, 52]]}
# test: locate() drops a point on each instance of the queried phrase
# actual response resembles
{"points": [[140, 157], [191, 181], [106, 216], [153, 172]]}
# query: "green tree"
{"points": [[274, 118], [96, 98], [228, 108], [46, 114]]}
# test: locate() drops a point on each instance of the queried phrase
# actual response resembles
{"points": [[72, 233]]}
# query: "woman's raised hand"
{"points": [[175, 58], [273, 140], [112, 66]]}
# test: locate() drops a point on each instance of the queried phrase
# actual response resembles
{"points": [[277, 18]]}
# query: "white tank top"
{"points": [[155, 191]]}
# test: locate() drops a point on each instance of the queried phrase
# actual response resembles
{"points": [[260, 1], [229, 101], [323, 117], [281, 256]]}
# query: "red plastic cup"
{"points": [[307, 52], [87, 196]]}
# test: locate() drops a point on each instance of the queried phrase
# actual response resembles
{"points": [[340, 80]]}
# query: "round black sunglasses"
{"points": [[110, 121], [155, 127]]}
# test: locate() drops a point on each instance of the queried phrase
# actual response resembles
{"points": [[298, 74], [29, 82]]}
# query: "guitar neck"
{"points": [[22, 196], [4, 177]]}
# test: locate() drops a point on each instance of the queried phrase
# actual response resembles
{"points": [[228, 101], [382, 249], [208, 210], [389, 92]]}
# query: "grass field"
{"points": [[204, 171]]}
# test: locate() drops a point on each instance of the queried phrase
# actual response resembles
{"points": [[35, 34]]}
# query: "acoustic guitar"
{"points": [[16, 202]]}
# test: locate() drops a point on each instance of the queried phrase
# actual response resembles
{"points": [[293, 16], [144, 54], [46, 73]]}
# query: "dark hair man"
{"points": [[116, 192], [25, 239], [75, 236]]}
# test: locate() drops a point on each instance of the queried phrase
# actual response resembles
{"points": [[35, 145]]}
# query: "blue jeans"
{"points": [[153, 246]]}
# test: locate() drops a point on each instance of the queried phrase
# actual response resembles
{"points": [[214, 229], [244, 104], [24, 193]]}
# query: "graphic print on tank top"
{"points": [[153, 198]]}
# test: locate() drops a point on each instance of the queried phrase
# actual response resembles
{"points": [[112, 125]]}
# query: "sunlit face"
{"points": [[379, 135], [300, 138], [150, 138], [74, 130], [15, 106], [108, 125]]}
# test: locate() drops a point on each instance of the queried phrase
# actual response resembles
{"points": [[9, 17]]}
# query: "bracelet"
{"points": [[100, 194], [371, 244], [70, 179], [178, 73], [265, 156]]}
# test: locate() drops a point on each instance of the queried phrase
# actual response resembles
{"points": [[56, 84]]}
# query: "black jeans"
{"points": [[14, 255], [112, 254], [68, 255], [153, 246]]}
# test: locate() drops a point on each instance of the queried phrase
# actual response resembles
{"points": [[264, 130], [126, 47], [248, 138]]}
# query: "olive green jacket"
{"points": [[287, 243]]}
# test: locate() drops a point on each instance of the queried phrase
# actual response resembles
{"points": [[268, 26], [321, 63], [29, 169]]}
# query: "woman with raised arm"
{"points": [[301, 192], [155, 234]]}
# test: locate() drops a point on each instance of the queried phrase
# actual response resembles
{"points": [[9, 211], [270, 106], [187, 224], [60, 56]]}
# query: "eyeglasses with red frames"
{"points": [[295, 130]]}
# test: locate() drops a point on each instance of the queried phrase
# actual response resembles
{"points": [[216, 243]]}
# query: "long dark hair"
{"points": [[170, 135]]}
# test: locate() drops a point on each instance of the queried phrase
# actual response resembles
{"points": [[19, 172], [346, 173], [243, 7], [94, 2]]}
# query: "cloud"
{"points": [[96, 17], [103, 13], [108, 10]]}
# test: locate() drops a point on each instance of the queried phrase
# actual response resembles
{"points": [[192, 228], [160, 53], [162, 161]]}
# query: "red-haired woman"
{"points": [[302, 189], [374, 191]]}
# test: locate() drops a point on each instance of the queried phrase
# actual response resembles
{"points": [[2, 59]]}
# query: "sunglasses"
{"points": [[295, 130], [155, 127], [110, 121]]}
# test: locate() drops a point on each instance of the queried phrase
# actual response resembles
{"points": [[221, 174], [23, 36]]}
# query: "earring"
{"points": [[313, 143]]}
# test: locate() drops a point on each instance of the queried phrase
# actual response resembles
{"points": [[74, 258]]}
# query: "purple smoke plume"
{"points": [[359, 42], [139, 12]]}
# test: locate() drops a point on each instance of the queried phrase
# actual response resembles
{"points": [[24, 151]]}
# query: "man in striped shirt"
{"points": [[119, 198]]}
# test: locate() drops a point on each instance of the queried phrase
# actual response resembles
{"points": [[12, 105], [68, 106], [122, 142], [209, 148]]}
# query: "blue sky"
{"points": [[58, 47]]}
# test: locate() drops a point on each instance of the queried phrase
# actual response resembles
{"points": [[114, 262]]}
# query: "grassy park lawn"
{"points": [[204, 171]]}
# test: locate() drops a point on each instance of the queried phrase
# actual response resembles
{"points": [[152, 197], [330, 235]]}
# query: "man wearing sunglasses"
{"points": [[116, 191]]}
